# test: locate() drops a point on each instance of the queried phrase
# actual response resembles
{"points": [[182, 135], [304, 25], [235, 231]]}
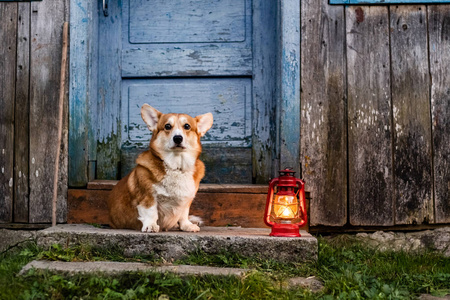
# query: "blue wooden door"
{"points": [[179, 56]]}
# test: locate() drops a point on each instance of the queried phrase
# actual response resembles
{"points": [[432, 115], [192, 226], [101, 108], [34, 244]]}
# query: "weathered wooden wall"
{"points": [[375, 113], [30, 55]]}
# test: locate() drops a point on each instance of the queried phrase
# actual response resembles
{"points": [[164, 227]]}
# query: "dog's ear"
{"points": [[204, 123], [150, 116]]}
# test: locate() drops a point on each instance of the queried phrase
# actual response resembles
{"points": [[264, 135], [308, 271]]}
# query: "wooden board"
{"points": [[228, 99], [439, 39], [22, 115], [46, 41], [264, 152], [186, 38], [323, 117], [83, 91], [109, 92], [8, 34], [369, 116], [411, 115], [289, 79]]}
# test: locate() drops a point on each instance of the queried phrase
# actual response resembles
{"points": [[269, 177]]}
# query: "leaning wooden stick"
{"points": [[62, 85]]}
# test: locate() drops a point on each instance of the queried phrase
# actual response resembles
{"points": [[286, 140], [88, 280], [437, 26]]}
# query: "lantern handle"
{"points": [[302, 197], [268, 210]]}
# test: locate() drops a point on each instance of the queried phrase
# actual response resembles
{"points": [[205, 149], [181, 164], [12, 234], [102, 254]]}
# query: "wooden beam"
{"points": [[411, 115], [8, 34], [369, 116], [439, 35], [323, 118], [22, 116], [47, 20], [289, 103], [265, 39], [83, 91]]}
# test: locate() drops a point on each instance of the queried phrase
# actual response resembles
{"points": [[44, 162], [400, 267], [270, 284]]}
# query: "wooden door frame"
{"points": [[276, 89]]}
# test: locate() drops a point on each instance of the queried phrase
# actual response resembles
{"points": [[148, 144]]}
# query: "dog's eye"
{"points": [[187, 126], [168, 127]]}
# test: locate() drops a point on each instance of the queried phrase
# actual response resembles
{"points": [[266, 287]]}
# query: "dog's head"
{"points": [[175, 133]]}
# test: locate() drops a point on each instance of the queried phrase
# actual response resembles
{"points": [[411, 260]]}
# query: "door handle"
{"points": [[105, 8]]}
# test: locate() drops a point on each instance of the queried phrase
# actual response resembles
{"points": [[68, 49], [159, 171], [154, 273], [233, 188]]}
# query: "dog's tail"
{"points": [[196, 220]]}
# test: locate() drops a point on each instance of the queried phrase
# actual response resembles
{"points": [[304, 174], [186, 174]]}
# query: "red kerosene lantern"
{"points": [[286, 205]]}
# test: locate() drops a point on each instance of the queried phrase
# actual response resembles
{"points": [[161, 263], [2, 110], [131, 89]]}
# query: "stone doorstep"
{"points": [[172, 245], [111, 267]]}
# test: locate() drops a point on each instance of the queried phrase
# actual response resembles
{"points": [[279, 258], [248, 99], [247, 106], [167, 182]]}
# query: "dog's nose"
{"points": [[178, 139]]}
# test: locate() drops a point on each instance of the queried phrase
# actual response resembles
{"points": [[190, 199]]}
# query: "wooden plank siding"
{"points": [[439, 40], [398, 129], [369, 117], [411, 115], [373, 100], [8, 29], [323, 111], [46, 43], [22, 113]]}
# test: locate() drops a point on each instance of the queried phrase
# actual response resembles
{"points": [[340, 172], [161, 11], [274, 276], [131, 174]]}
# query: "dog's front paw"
{"points": [[189, 227], [150, 228]]}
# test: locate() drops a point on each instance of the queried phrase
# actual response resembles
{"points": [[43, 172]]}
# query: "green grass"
{"points": [[349, 271]]}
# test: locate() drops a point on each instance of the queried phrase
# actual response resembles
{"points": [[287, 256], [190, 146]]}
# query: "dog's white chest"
{"points": [[176, 187]]}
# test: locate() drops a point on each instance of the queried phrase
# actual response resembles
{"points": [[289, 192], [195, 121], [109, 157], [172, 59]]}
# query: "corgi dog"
{"points": [[157, 194]]}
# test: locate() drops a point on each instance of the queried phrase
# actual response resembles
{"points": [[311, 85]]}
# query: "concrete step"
{"points": [[172, 245], [112, 267]]}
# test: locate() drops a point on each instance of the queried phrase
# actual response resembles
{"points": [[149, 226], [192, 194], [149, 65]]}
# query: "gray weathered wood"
{"points": [[22, 113], [46, 33], [411, 115], [8, 34], [439, 35], [109, 92], [324, 112], [264, 90], [369, 113]]}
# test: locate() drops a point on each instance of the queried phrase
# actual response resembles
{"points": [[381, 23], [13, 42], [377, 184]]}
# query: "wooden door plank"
{"points": [[8, 34], [369, 113], [109, 92], [22, 113], [265, 40], [411, 115], [323, 118], [164, 38], [439, 35], [289, 102], [83, 91], [47, 20]]}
